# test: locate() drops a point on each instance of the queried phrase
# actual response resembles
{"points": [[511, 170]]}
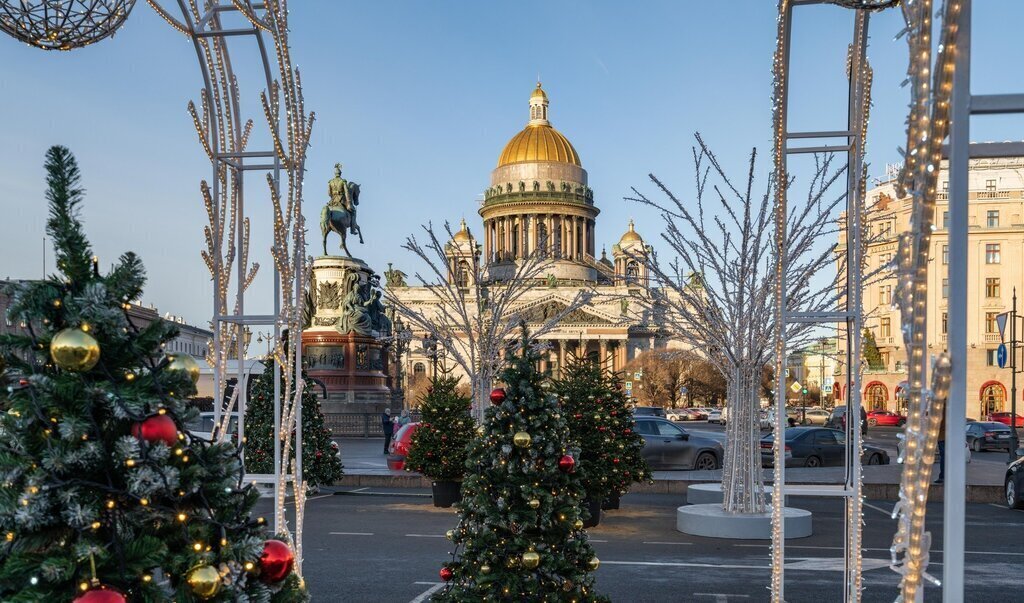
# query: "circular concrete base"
{"points": [[702, 494], [711, 521]]}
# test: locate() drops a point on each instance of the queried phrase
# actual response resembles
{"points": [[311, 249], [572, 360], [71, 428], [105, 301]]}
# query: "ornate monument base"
{"points": [[341, 347]]}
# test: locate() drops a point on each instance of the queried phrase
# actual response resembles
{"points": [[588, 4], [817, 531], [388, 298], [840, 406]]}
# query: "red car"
{"points": [[400, 446], [1004, 418], [885, 417]]}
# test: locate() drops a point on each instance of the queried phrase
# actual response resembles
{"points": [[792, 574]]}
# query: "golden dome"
{"points": [[463, 233], [538, 141], [630, 235]]}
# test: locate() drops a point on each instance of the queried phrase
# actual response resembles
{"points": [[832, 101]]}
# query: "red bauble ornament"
{"points": [[627, 431], [319, 454], [618, 386], [566, 464], [616, 461], [101, 594], [158, 428], [446, 573], [276, 561], [497, 396]]}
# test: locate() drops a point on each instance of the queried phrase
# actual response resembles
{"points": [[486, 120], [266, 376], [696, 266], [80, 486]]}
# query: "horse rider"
{"points": [[337, 189]]}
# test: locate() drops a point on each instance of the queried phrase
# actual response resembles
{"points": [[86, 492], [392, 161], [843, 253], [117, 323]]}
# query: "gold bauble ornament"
{"points": [[521, 439], [534, 503], [204, 581], [593, 564], [578, 524], [450, 534], [185, 364], [485, 569], [531, 560], [74, 350]]}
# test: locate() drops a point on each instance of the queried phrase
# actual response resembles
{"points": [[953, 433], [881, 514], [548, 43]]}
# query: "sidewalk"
{"points": [[366, 466]]}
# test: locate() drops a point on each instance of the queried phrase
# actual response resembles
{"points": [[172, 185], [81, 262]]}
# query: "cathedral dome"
{"points": [[630, 235], [538, 141], [463, 234]]}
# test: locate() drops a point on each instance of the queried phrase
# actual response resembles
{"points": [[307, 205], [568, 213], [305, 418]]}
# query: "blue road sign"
{"points": [[1001, 355]]}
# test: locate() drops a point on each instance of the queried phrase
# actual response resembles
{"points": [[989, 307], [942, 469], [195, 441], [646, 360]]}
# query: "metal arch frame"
{"points": [[229, 164], [851, 316]]}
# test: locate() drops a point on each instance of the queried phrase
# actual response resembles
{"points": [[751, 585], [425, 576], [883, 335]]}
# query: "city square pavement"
{"points": [[383, 546]]}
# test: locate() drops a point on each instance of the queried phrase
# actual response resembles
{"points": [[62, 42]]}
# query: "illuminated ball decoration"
{"points": [[521, 439], [534, 503], [497, 396], [101, 594], [593, 564], [204, 581], [566, 464], [158, 428], [485, 569], [531, 560], [62, 24], [446, 573], [74, 350], [185, 364], [276, 561]]}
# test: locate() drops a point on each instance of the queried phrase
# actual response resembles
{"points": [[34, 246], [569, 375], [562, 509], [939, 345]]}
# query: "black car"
{"points": [[669, 446], [985, 435], [1013, 486], [649, 411], [818, 447], [837, 420]]}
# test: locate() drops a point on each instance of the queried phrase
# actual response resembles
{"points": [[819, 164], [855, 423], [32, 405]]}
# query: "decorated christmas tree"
{"points": [[601, 422], [105, 497], [520, 535], [438, 448], [320, 462]]}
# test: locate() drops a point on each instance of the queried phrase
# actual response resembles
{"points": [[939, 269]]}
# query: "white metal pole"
{"points": [[956, 407]]}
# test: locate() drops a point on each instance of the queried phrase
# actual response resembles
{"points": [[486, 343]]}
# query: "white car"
{"points": [[718, 415], [202, 426], [899, 453]]}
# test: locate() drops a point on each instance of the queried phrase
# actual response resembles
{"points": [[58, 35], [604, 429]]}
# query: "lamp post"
{"points": [[1014, 440], [430, 350], [398, 341]]}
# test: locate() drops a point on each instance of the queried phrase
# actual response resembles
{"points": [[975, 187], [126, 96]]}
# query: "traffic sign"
{"points": [[629, 385], [1001, 323], [638, 376], [796, 387], [827, 389], [683, 390], [1001, 355]]}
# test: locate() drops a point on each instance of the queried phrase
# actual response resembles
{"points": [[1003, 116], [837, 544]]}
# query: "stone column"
{"points": [[602, 351], [562, 357], [531, 235]]}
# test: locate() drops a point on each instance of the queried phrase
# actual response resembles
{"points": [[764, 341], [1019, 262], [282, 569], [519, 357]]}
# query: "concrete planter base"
{"points": [[704, 494], [709, 520]]}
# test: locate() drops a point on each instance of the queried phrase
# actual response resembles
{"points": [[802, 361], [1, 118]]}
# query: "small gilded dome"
{"points": [[630, 235], [538, 141], [463, 233]]}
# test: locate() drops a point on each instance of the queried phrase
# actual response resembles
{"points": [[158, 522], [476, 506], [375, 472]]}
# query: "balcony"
{"points": [[993, 194], [992, 338]]}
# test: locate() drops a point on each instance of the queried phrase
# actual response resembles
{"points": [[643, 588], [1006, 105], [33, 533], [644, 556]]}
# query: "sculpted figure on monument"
{"points": [[329, 296], [354, 316], [378, 317], [339, 215]]}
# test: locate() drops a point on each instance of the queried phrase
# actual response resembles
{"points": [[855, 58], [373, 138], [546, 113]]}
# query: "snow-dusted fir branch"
{"points": [[473, 316], [717, 291]]}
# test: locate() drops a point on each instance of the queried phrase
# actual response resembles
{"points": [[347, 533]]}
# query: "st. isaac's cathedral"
{"points": [[538, 193]]}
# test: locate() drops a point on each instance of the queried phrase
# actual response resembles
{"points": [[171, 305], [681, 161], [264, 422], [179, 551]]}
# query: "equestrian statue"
{"points": [[339, 215]]}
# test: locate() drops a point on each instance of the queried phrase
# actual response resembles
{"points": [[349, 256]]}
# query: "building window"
{"points": [[462, 278], [885, 294], [990, 185], [945, 288], [945, 254], [876, 396], [886, 229], [945, 219], [945, 185], [992, 218], [990, 358], [993, 396], [419, 370], [945, 323], [990, 322], [632, 270], [991, 253], [992, 287], [885, 330]]}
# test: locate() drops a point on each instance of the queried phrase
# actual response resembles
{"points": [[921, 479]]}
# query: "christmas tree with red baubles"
{"points": [[105, 496], [520, 535]]}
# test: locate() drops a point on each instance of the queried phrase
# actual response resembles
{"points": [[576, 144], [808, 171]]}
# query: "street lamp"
{"points": [[398, 341]]}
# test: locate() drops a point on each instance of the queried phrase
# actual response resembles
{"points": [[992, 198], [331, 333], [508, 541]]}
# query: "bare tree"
{"points": [[717, 293], [471, 314]]}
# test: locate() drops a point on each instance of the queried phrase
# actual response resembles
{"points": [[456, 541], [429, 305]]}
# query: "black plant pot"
{"points": [[612, 502], [446, 492], [594, 506]]}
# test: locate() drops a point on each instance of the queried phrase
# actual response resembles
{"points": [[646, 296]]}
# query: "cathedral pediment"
{"points": [[542, 311]]}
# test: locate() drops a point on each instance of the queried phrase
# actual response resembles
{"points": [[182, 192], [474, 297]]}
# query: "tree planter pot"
{"points": [[446, 492], [611, 502], [594, 506]]}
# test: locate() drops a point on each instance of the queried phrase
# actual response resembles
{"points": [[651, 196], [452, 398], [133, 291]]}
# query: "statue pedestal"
{"points": [[352, 365]]}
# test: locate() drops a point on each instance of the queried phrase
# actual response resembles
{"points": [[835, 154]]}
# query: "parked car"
{"points": [[1013, 484], [899, 452], [680, 414], [837, 420], [818, 447], [988, 435], [813, 416], [1004, 418], [700, 413], [202, 426], [885, 417], [668, 446], [400, 446], [648, 411], [718, 415]]}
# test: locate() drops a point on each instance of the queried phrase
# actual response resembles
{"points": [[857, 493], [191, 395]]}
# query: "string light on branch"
{"points": [[62, 24]]}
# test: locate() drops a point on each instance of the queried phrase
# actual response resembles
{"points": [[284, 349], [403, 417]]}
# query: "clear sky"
{"points": [[417, 100]]}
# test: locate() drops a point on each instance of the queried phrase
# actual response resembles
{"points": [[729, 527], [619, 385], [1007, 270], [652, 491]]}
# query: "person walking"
{"points": [[942, 450], [404, 418], [387, 427]]}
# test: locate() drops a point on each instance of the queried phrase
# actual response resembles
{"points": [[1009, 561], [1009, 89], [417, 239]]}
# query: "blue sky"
{"points": [[417, 99]]}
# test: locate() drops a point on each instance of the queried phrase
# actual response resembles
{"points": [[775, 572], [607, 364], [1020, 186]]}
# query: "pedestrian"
{"points": [[942, 450], [404, 418], [791, 421], [863, 421], [387, 427]]}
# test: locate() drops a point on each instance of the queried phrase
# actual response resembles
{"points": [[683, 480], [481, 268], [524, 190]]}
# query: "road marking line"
{"points": [[879, 509], [318, 496], [360, 489], [351, 533], [682, 564], [595, 540], [662, 542], [720, 597], [425, 535], [426, 594]]}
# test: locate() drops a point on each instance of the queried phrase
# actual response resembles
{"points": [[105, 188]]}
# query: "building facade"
{"points": [[995, 268], [539, 201]]}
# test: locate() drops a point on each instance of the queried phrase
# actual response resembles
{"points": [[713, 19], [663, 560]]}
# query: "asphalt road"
{"points": [[383, 547]]}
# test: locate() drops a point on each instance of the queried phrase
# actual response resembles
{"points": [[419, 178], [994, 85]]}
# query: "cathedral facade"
{"points": [[539, 201]]}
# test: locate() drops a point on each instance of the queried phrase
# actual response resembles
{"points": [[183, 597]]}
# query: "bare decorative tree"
{"points": [[717, 293], [471, 314]]}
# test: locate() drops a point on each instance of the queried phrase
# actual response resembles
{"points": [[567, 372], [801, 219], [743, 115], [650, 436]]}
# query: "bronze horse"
{"points": [[340, 220]]}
